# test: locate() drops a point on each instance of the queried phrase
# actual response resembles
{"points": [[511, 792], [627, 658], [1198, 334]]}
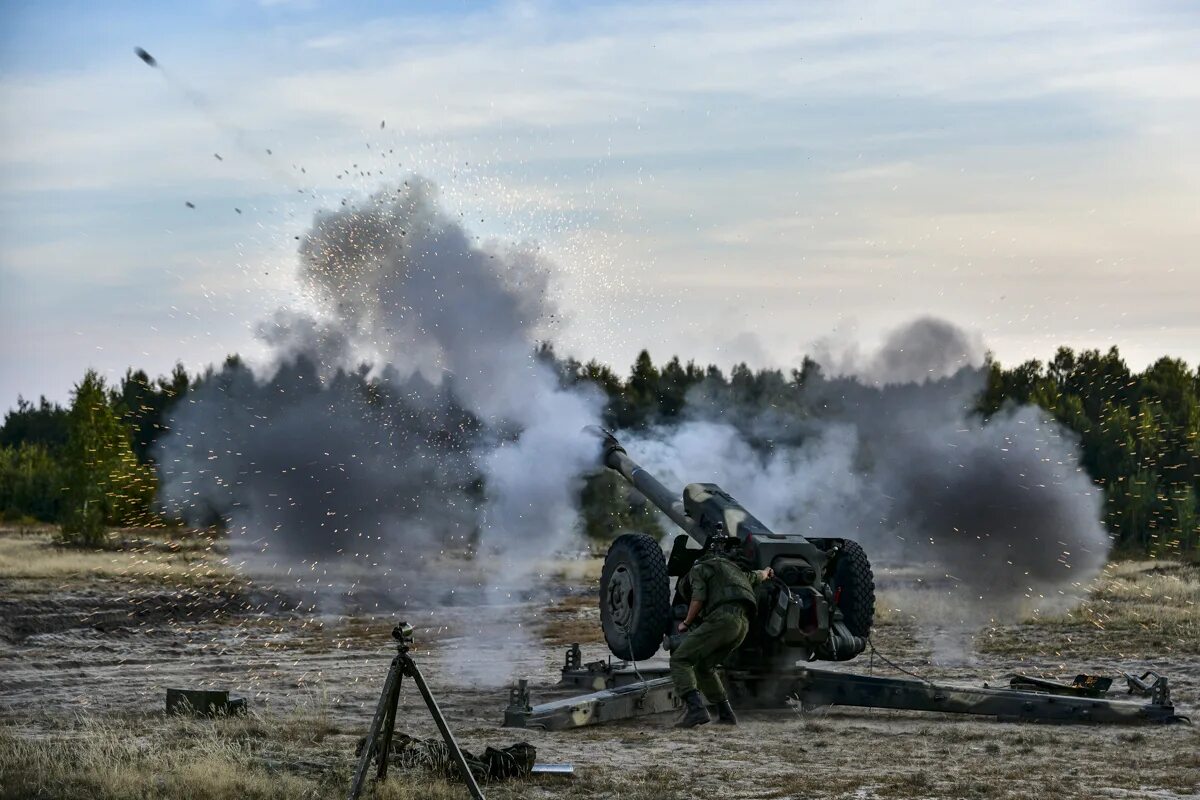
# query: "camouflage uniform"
{"points": [[727, 594]]}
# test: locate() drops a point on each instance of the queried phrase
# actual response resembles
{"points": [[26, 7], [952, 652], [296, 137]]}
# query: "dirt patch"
{"points": [[24, 615]]}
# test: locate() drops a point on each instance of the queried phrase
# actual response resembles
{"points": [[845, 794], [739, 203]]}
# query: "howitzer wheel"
{"points": [[854, 586], [635, 600]]}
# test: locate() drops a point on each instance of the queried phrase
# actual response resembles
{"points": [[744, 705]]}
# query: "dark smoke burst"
{"points": [[406, 421], [996, 518]]}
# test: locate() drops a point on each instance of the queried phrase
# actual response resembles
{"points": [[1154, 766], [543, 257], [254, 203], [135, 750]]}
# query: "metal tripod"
{"points": [[383, 724]]}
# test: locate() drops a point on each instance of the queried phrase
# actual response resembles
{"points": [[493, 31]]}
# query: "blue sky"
{"points": [[722, 180]]}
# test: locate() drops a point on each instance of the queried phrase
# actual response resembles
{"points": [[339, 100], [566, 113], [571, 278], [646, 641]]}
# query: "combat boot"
{"points": [[695, 713], [725, 714]]}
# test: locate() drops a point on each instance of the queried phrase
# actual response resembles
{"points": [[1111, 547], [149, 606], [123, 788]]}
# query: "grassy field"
{"points": [[1135, 608], [141, 555], [89, 639]]}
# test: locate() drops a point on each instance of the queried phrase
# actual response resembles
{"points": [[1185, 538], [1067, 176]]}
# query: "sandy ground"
{"points": [[104, 643]]}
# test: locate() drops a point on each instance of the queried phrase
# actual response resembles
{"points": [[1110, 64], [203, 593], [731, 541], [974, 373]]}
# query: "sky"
{"points": [[725, 181]]}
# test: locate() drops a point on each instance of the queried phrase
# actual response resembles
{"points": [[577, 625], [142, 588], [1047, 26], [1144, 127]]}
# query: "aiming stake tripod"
{"points": [[379, 738]]}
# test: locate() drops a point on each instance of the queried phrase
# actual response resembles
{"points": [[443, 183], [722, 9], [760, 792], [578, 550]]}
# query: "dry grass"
{"points": [[144, 757], [956, 758], [114, 760], [404, 788], [582, 571], [308, 724], [653, 783], [1146, 608], [1150, 581], [182, 559], [575, 618]]}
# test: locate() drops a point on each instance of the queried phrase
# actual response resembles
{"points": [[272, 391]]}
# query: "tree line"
{"points": [[90, 465]]}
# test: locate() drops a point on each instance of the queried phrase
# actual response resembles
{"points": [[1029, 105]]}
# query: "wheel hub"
{"points": [[621, 599]]}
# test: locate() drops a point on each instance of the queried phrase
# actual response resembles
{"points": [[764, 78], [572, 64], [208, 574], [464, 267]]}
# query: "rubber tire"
{"points": [[635, 561], [853, 576]]}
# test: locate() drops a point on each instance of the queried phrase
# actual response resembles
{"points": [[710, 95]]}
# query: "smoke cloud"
{"points": [[408, 425], [404, 426], [924, 349], [994, 518]]}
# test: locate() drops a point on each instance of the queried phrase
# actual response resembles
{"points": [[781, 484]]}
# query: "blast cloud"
{"points": [[449, 438], [996, 518], [925, 349], [409, 420]]}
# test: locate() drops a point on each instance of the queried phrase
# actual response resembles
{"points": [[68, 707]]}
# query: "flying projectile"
{"points": [[144, 56]]}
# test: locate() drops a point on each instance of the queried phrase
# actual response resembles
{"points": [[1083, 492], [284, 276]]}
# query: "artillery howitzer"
{"points": [[819, 606]]}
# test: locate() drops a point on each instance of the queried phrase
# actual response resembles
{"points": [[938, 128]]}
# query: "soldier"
{"points": [[722, 599]]}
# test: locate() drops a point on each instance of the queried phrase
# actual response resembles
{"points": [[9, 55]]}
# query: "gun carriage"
{"points": [[820, 606]]}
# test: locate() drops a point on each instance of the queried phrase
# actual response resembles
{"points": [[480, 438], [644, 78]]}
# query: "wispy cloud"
{"points": [[788, 165]]}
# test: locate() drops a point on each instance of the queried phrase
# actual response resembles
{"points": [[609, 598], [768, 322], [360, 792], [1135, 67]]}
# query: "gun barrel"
{"points": [[670, 503]]}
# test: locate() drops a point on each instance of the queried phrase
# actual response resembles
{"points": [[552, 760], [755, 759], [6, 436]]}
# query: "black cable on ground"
{"points": [[892, 664], [636, 671]]}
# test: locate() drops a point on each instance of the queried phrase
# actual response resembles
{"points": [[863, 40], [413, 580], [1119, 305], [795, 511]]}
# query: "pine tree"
{"points": [[641, 391], [105, 483]]}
